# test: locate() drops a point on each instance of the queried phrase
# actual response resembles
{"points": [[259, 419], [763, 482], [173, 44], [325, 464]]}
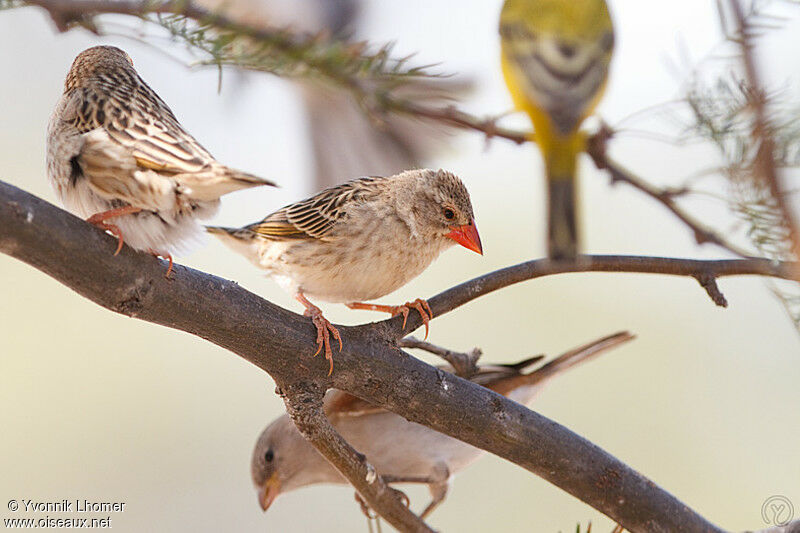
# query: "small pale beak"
{"points": [[269, 491], [467, 236]]}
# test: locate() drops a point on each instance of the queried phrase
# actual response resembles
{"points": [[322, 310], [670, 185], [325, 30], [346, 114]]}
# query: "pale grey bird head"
{"points": [[283, 461]]}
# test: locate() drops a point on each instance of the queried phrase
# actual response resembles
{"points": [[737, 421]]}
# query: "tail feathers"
{"points": [[561, 363], [246, 180], [241, 240], [492, 376], [525, 363], [562, 225], [209, 186], [577, 356], [230, 233], [220, 231]]}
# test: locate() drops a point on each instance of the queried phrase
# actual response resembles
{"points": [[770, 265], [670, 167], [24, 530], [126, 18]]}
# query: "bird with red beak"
{"points": [[360, 241]]}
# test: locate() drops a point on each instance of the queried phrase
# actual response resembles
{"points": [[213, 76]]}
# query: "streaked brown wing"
{"points": [[134, 116], [314, 217]]}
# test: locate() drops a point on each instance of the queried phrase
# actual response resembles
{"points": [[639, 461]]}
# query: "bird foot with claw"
{"points": [[165, 257], [369, 513], [99, 220], [419, 304], [111, 228], [324, 330], [364, 507], [403, 497]]}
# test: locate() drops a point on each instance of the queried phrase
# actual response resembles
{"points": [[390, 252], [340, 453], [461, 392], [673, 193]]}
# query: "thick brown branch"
{"points": [[370, 366], [791, 527], [304, 405]]}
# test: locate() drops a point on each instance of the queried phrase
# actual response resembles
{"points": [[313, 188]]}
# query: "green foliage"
{"points": [[723, 115], [723, 107], [369, 73], [285, 53]]}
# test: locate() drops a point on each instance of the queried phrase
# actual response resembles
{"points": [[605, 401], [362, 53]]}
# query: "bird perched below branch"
{"points": [[359, 241], [115, 151], [555, 58], [401, 451]]}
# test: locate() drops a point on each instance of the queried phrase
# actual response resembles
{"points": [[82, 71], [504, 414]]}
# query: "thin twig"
{"points": [[764, 163], [699, 269], [465, 364], [596, 148], [455, 117]]}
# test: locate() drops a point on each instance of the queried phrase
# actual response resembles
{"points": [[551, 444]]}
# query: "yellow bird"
{"points": [[555, 57]]}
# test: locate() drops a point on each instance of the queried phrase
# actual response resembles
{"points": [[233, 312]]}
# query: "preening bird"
{"points": [[359, 241], [401, 451], [555, 58], [115, 151]]}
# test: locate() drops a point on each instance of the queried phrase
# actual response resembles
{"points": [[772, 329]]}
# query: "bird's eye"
{"points": [[449, 214], [269, 456]]}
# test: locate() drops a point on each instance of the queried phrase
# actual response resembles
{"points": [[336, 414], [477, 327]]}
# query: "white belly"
{"points": [[168, 234], [345, 270]]}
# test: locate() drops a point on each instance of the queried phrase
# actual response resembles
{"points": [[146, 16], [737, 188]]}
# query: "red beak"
{"points": [[467, 236]]}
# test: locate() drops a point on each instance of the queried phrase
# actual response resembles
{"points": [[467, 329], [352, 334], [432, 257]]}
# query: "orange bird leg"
{"points": [[99, 220], [166, 257], [419, 304], [324, 329], [365, 508]]}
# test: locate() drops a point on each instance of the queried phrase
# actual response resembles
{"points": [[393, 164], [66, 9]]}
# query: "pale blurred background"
{"points": [[705, 402]]}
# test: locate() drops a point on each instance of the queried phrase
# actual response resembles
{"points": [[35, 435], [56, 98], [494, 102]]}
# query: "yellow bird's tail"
{"points": [[561, 161], [562, 237]]}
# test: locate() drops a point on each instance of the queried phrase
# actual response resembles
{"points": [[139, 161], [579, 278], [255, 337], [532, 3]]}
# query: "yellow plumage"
{"points": [[555, 58]]}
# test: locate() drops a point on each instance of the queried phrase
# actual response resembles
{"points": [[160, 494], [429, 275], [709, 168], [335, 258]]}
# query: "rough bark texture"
{"points": [[370, 366]]}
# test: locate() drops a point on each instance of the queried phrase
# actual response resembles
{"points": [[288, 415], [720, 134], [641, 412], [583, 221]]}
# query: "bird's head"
{"points": [[95, 60], [283, 461], [442, 207]]}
